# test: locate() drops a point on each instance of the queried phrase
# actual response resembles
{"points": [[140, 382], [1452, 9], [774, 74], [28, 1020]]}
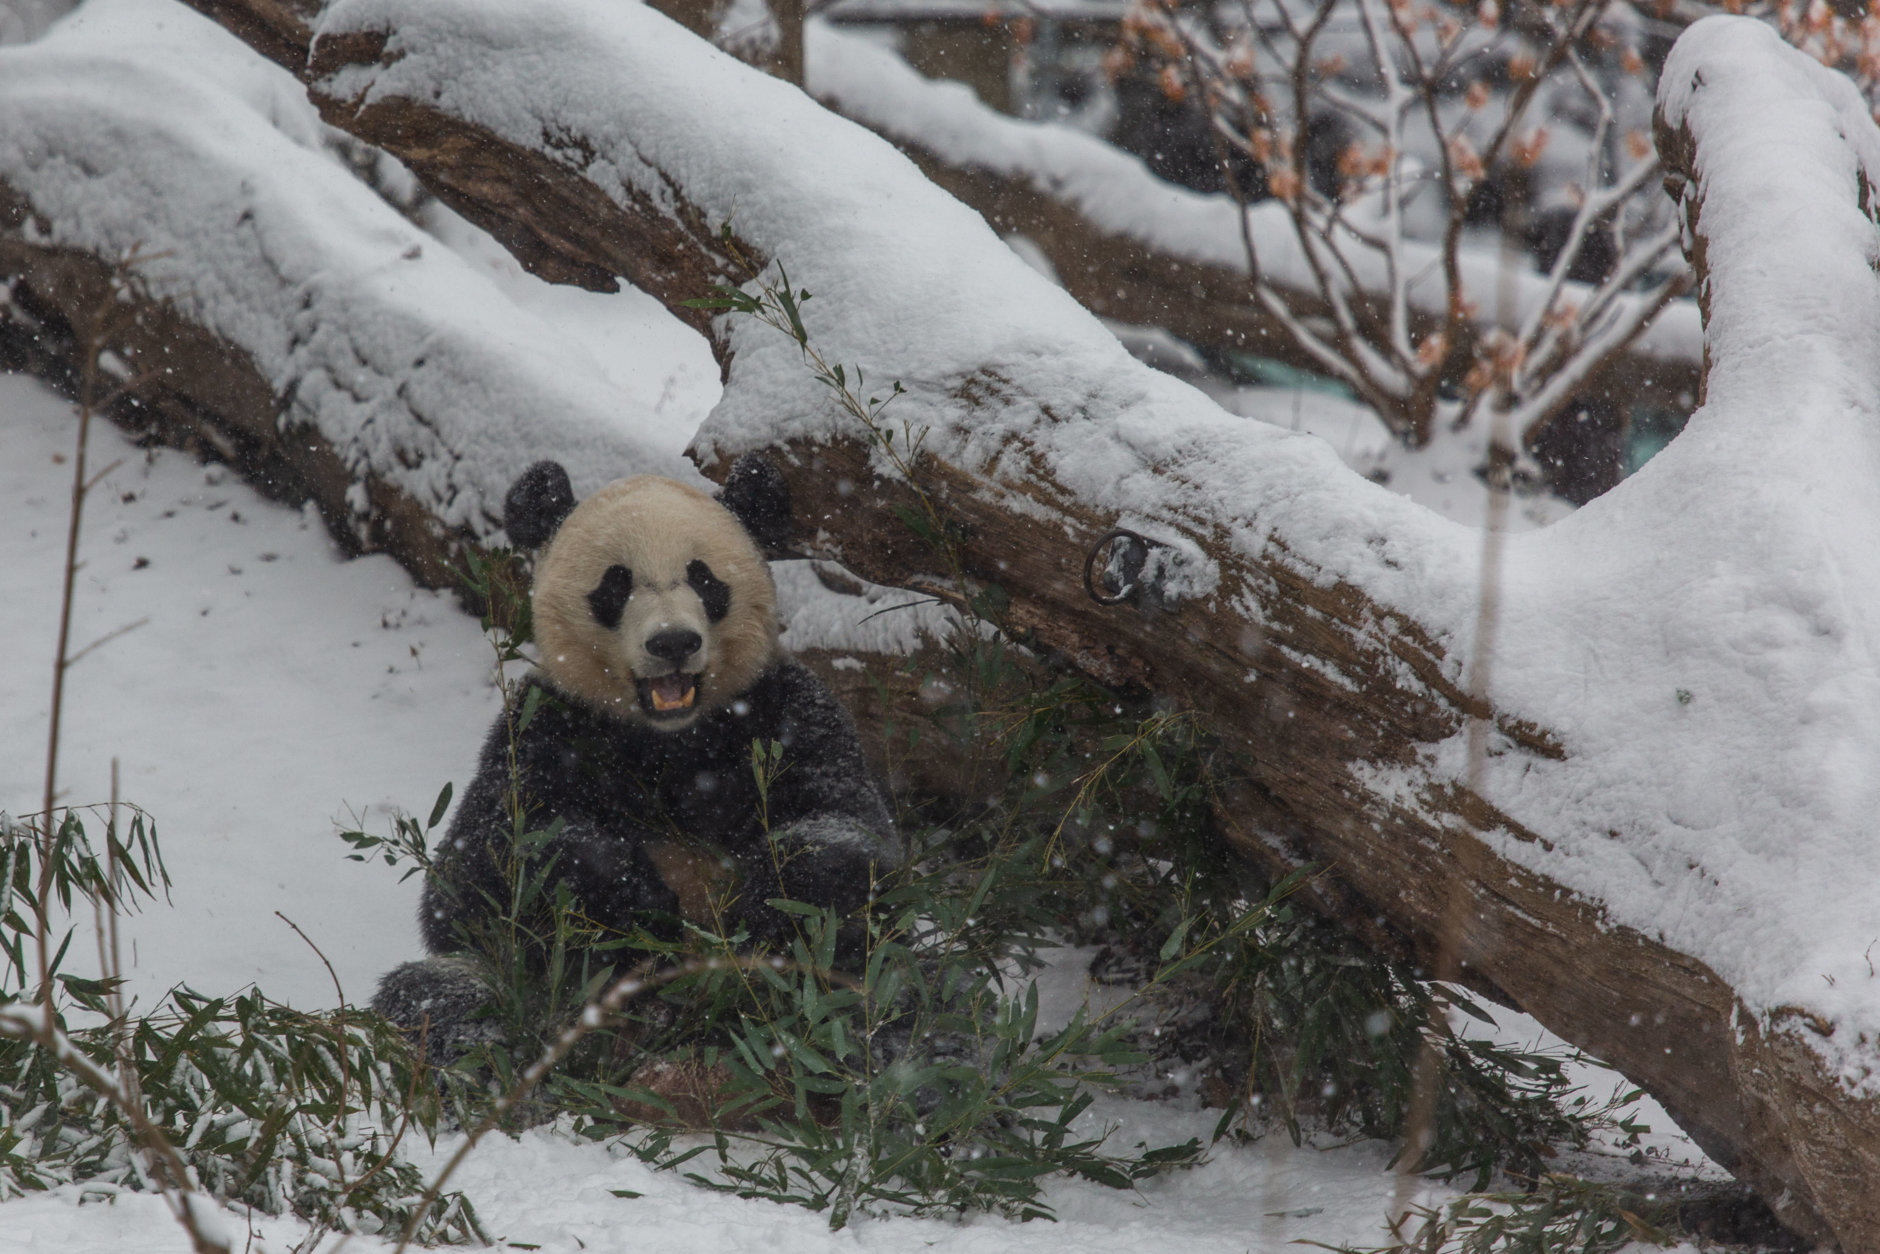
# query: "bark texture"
{"points": [[1345, 686]]}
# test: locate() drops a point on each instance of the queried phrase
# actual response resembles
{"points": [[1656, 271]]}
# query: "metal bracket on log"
{"points": [[1125, 566]]}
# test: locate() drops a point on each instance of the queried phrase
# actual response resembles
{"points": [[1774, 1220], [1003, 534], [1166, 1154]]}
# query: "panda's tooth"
{"points": [[670, 693]]}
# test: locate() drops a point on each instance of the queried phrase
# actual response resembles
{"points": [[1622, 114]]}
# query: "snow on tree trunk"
{"points": [[1618, 771], [1774, 161], [284, 314]]}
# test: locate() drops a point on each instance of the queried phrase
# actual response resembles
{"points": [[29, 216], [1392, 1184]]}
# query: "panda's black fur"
{"points": [[623, 790], [639, 804]]}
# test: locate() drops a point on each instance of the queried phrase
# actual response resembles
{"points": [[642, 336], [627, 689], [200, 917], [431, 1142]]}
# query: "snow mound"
{"points": [[1703, 637]]}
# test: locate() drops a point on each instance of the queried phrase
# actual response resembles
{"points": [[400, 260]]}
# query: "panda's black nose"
{"points": [[675, 644]]}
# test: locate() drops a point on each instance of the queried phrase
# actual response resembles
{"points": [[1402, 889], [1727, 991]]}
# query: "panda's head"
{"points": [[652, 600]]}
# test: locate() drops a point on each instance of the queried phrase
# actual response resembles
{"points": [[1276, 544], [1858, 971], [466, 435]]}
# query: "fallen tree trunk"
{"points": [[1499, 769], [1101, 221], [207, 395], [338, 352]]}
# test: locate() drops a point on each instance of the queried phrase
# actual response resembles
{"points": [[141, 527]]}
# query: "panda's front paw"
{"points": [[758, 496], [828, 860], [609, 873]]}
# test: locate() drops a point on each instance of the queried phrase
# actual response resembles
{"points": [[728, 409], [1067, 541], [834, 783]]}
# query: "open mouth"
{"points": [[668, 696]]}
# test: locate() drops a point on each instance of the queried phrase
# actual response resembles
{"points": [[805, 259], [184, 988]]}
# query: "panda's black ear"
{"points": [[536, 504], [757, 496]]}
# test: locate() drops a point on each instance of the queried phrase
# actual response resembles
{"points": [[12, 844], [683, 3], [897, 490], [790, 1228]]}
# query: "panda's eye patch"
{"points": [[710, 588], [610, 595]]}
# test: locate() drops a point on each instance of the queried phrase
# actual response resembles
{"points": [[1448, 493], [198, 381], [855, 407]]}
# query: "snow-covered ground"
{"points": [[545, 1191], [271, 688], [274, 688]]}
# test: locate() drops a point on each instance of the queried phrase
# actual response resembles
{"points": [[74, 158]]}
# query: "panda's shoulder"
{"points": [[541, 716], [787, 686], [783, 696]]}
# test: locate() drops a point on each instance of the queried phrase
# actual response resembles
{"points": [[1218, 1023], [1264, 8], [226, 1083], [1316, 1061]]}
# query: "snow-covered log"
{"points": [[1618, 771], [278, 309]]}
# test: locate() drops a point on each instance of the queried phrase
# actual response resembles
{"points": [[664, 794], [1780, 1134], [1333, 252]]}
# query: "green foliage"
{"points": [[408, 842], [266, 1106], [1560, 1215], [766, 765], [495, 583], [1105, 833], [40, 881], [1338, 1036], [915, 1085]]}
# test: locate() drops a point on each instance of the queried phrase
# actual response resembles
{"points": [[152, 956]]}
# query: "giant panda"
{"points": [[658, 667]]}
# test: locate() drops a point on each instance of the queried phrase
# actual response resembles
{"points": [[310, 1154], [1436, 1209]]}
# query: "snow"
{"points": [[1443, 476], [258, 624], [21, 20], [657, 365], [1261, 1198], [877, 620], [1702, 636], [252, 708], [547, 1191]]}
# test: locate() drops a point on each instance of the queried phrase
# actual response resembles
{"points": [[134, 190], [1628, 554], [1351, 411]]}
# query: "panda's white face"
{"points": [[653, 605]]}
